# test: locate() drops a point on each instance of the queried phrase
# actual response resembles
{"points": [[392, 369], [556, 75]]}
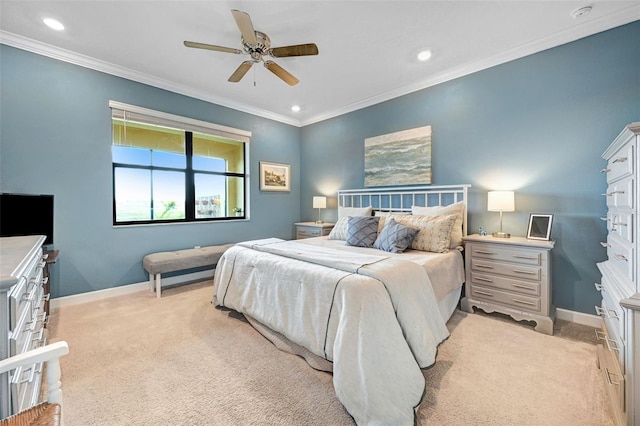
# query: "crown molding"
{"points": [[68, 56], [591, 27]]}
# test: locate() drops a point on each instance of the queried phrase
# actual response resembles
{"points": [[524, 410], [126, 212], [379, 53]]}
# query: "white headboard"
{"points": [[400, 199]]}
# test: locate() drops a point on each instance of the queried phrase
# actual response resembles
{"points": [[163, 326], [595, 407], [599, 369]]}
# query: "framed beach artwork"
{"points": [[275, 177], [400, 158]]}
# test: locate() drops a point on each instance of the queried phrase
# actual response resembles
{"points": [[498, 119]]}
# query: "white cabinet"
{"points": [[511, 276], [22, 318], [619, 353]]}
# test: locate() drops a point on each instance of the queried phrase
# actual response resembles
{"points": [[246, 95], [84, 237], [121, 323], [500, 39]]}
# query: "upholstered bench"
{"points": [[157, 264]]}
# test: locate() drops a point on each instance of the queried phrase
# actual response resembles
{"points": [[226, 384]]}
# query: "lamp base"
{"points": [[501, 235], [319, 222]]}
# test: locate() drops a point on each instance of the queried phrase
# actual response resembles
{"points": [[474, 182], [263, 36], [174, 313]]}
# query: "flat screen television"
{"points": [[26, 214]]}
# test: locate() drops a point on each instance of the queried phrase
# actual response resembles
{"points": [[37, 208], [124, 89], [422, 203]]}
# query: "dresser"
{"points": [[312, 229], [22, 318], [511, 276], [618, 356]]}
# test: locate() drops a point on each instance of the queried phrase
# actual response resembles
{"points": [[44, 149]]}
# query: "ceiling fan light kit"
{"points": [[257, 45]]}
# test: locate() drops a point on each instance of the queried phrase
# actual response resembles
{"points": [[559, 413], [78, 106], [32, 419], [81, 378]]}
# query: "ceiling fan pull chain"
{"points": [[254, 76]]}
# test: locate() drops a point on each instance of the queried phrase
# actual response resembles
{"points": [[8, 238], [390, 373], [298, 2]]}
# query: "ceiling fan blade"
{"points": [[240, 71], [243, 20], [294, 50], [211, 47], [281, 72]]}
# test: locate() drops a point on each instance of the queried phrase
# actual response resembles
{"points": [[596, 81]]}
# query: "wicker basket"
{"points": [[44, 414]]}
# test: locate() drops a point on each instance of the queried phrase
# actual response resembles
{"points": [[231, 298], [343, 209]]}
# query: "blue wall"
{"points": [[537, 125], [55, 134]]}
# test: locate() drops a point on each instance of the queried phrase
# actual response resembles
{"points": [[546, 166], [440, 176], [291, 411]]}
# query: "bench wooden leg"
{"points": [[158, 285], [151, 283]]}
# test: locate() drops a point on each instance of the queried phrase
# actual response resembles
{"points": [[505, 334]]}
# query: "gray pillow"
{"points": [[395, 237], [362, 231]]}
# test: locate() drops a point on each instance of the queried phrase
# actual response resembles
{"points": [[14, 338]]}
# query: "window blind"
{"points": [[138, 114]]}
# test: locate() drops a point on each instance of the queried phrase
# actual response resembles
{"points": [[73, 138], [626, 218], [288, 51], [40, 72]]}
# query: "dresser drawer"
{"points": [[531, 288], [613, 379], [508, 269], [25, 386], [24, 294], [621, 163], [621, 224], [620, 194], [304, 232], [612, 343], [621, 257], [611, 312], [519, 302], [486, 251]]}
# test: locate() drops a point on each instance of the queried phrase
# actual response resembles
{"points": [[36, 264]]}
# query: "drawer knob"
{"points": [[619, 223], [486, 293], [620, 257], [599, 286], [524, 302], [480, 265], [484, 252], [520, 271], [608, 375], [605, 244], [517, 256], [611, 344], [605, 170], [526, 287], [604, 219], [620, 160], [487, 280]]}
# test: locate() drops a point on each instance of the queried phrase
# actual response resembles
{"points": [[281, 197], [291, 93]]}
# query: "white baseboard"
{"points": [[579, 317], [92, 296], [563, 314]]}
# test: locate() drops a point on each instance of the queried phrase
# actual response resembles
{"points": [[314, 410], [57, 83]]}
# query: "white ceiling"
{"points": [[367, 48]]}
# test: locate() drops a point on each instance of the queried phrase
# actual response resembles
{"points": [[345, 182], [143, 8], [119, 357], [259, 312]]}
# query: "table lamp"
{"points": [[501, 201], [319, 203]]}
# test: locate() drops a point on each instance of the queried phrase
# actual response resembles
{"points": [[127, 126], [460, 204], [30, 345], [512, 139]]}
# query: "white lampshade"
{"points": [[501, 201], [319, 202]]}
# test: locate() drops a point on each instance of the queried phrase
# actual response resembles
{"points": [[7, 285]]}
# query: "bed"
{"points": [[373, 313]]}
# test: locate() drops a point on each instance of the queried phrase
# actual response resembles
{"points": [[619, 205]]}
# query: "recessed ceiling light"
{"points": [[424, 55], [53, 24], [295, 108], [579, 13]]}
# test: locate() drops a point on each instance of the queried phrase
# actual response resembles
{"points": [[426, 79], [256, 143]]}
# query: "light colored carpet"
{"points": [[138, 360]]}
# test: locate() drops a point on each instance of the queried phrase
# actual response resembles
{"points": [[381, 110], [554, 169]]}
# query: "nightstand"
{"points": [[511, 276], [312, 229]]}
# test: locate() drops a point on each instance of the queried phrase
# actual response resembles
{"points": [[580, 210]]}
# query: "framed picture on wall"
{"points": [[539, 226], [275, 177]]}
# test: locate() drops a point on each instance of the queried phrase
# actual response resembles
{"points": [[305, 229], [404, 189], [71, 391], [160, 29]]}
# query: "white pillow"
{"points": [[339, 231], [434, 232], [354, 211], [383, 217], [456, 208]]}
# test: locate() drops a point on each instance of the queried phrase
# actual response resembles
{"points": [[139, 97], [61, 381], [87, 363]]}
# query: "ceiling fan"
{"points": [[257, 45]]}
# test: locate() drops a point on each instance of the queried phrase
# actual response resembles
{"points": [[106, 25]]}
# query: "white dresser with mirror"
{"points": [[619, 353]]}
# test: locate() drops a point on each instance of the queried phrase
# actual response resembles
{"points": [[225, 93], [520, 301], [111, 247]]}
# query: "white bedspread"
{"points": [[375, 317]]}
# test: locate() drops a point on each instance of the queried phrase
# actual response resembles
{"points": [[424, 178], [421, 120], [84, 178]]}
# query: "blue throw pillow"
{"points": [[362, 231], [395, 237]]}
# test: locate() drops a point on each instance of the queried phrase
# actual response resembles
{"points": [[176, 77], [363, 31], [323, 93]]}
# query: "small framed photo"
{"points": [[275, 177], [539, 226]]}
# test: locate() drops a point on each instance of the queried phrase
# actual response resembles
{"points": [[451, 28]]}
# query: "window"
{"points": [[174, 169]]}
